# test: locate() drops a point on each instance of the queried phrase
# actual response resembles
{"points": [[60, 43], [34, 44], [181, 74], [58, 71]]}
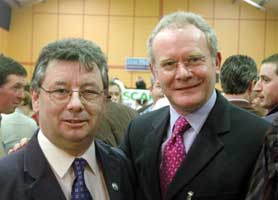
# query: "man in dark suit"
{"points": [[201, 146], [238, 76], [63, 160]]}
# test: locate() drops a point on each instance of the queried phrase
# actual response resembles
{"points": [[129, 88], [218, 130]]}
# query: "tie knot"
{"points": [[180, 125], [78, 166]]}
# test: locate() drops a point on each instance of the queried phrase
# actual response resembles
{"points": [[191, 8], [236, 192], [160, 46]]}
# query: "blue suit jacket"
{"points": [[26, 174]]}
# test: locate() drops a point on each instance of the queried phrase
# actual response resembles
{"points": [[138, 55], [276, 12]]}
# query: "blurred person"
{"points": [[157, 94], [201, 146], [116, 117], [256, 104], [63, 160], [264, 182], [16, 126], [12, 81], [26, 104], [115, 92], [238, 76], [267, 85], [140, 83]]}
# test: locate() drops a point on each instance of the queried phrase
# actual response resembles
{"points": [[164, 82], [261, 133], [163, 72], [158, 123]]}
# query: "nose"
{"points": [[183, 71], [75, 104], [20, 93]]}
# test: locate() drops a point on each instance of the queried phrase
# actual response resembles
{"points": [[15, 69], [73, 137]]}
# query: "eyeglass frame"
{"points": [[189, 63], [69, 95]]}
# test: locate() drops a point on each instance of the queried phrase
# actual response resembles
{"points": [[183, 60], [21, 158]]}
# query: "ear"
{"points": [[251, 86], [154, 71], [35, 100], [218, 62]]}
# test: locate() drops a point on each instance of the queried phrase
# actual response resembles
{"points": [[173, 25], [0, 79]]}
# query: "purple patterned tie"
{"points": [[173, 154], [79, 190]]}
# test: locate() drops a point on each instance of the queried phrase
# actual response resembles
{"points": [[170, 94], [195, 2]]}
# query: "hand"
{"points": [[18, 145]]}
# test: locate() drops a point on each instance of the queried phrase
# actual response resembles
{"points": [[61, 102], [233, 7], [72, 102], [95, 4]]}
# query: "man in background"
{"points": [[18, 125], [199, 147], [238, 76], [12, 82], [267, 85]]}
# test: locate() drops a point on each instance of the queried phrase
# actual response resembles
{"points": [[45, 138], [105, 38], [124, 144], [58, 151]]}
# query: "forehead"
{"points": [[13, 79], [70, 72], [269, 70], [189, 37]]}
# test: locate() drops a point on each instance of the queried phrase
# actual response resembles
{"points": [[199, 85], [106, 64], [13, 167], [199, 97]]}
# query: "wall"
{"points": [[121, 28]]}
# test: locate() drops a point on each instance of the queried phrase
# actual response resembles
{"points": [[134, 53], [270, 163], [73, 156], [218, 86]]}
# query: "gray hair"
{"points": [[87, 53], [179, 20], [237, 72]]}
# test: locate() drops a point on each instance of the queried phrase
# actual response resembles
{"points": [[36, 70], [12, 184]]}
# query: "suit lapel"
{"points": [[111, 170], [204, 149], [151, 157], [40, 182]]}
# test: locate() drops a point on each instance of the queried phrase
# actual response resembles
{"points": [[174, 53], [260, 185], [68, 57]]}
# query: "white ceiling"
{"points": [[268, 4]]}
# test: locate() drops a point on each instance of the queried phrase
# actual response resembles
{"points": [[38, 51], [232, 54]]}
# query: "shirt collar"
{"points": [[61, 161], [197, 118]]}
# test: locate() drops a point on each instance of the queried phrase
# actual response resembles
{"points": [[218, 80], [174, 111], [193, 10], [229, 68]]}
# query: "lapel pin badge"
{"points": [[115, 187], [190, 195]]}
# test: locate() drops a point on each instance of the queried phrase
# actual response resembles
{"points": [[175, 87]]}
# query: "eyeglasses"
{"points": [[191, 63], [62, 95]]}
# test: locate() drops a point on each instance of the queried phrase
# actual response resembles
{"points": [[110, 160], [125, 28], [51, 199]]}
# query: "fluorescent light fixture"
{"points": [[254, 4]]}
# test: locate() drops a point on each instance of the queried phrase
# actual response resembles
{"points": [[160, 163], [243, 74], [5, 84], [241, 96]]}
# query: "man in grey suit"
{"points": [[213, 147], [63, 160], [12, 82]]}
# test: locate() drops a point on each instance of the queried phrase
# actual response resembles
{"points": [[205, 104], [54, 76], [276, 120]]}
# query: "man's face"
{"points": [[70, 125], [267, 85], [184, 67], [156, 91], [115, 93], [11, 93]]}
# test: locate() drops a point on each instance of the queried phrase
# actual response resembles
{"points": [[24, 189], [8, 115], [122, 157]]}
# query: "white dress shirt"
{"points": [[196, 120], [61, 164]]}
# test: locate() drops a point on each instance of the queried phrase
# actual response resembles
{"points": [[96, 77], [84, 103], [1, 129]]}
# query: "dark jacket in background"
{"points": [[114, 122]]}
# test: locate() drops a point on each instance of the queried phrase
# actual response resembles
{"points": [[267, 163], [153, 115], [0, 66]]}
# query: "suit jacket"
{"points": [[264, 182], [245, 105], [114, 122], [218, 165], [272, 115], [26, 174]]}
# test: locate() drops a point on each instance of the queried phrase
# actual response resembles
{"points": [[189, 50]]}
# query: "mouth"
{"points": [[188, 87], [75, 123]]}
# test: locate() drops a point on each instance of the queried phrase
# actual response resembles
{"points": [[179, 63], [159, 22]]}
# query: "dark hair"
{"points": [[272, 59], [8, 66], [237, 72], [87, 53]]}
